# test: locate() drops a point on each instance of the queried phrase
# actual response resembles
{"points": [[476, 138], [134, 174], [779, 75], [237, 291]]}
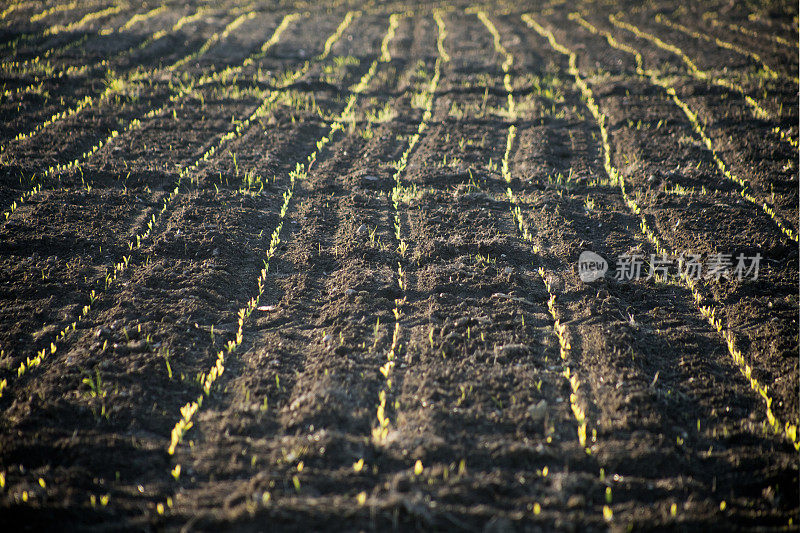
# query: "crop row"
{"points": [[137, 242], [217, 37], [61, 8], [712, 18], [188, 411], [765, 17], [724, 44], [38, 65], [14, 6], [66, 28], [652, 77], [380, 432], [758, 108], [113, 89], [559, 328], [788, 429], [177, 93]]}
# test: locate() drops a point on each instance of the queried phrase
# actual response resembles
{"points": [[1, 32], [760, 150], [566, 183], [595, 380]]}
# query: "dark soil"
{"points": [[500, 350]]}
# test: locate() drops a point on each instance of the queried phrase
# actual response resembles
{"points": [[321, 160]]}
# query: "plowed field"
{"points": [[286, 266]]}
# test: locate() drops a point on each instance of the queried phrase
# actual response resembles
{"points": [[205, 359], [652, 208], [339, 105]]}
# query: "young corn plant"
{"points": [[97, 390]]}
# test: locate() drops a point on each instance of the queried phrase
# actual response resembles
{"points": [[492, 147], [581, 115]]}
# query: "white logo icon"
{"points": [[591, 266]]}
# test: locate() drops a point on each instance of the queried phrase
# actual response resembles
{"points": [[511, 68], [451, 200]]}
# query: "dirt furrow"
{"points": [[752, 164], [623, 397], [301, 342], [767, 65], [730, 297], [155, 349], [165, 198], [45, 98], [112, 92], [301, 174], [750, 87], [64, 21], [765, 41], [373, 266]]}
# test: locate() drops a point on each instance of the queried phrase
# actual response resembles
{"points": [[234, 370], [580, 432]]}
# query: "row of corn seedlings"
{"points": [[300, 172], [711, 17], [178, 92], [89, 17], [788, 428], [40, 66], [37, 64], [60, 28], [15, 6], [697, 125], [217, 37], [104, 63], [607, 510], [114, 89], [61, 8], [381, 431], [765, 16], [758, 109], [137, 242], [726, 45], [349, 120], [559, 328]]}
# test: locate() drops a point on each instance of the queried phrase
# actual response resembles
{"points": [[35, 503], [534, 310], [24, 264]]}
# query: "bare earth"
{"points": [[285, 266]]}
